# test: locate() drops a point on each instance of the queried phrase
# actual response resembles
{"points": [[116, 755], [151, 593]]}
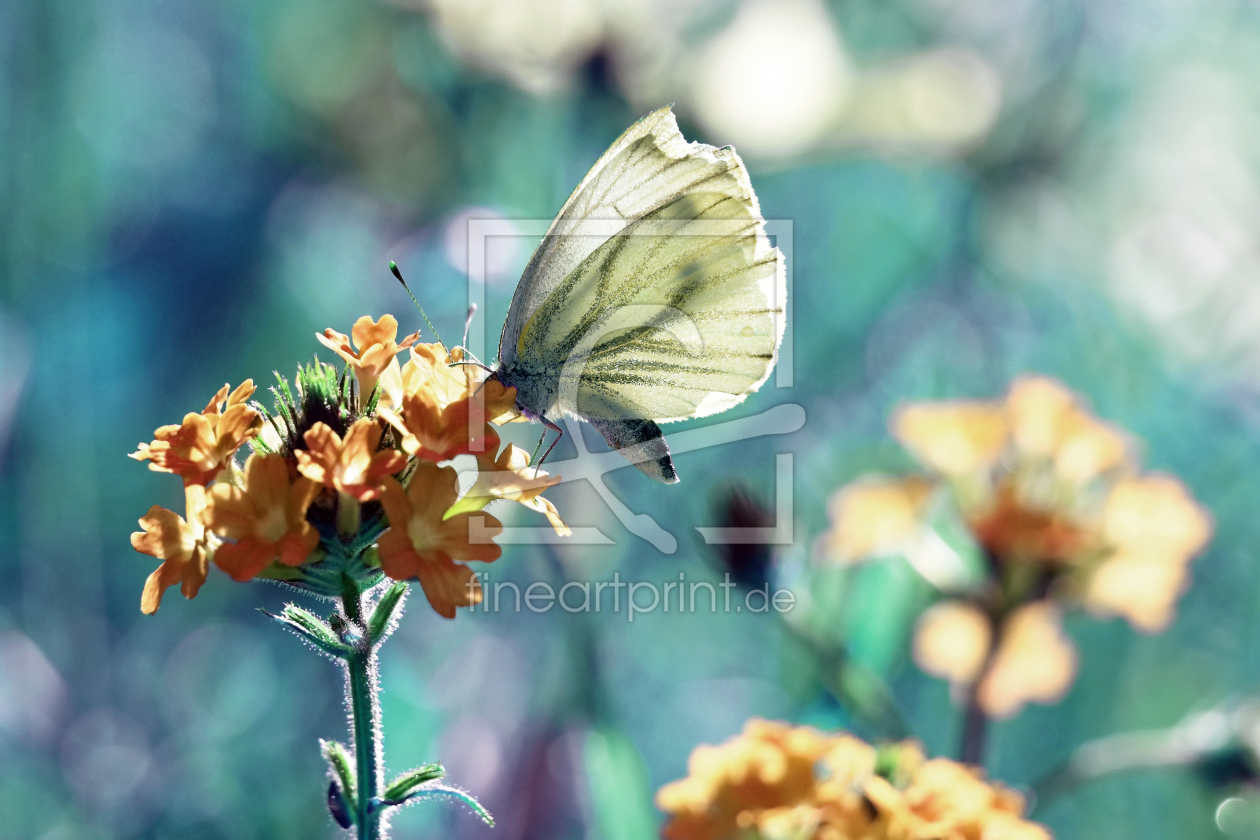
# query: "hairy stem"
{"points": [[361, 690]]}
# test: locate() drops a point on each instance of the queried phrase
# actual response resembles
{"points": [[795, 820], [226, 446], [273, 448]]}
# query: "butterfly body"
{"points": [[654, 297]]}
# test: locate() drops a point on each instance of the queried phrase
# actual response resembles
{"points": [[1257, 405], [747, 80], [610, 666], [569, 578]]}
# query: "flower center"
{"points": [[273, 525], [421, 536]]}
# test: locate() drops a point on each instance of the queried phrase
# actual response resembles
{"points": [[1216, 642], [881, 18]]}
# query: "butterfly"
{"points": [[655, 296]]}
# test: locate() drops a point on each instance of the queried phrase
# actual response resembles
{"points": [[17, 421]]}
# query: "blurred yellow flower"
{"points": [[1048, 422], [421, 542], [875, 516], [1047, 490], [204, 443], [778, 781], [266, 519], [376, 357], [1017, 529], [1153, 529], [181, 545], [770, 765], [355, 466], [948, 799], [951, 641], [959, 439], [1034, 660]]}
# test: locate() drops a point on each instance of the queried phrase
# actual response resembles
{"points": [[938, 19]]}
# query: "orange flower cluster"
{"points": [[342, 468], [1054, 498], [779, 781], [201, 446]]}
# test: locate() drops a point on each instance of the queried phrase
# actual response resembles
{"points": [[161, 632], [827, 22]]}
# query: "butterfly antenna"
{"points": [[472, 310], [393, 267], [470, 359]]}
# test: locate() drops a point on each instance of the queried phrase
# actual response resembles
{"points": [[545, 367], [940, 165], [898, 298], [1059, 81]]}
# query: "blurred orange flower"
{"points": [[1053, 497], [266, 518], [1047, 490], [375, 360], [181, 545], [948, 799], [775, 780], [421, 542], [204, 443], [771, 765], [355, 466]]}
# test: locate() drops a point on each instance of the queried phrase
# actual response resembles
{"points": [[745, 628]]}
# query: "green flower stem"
{"points": [[365, 710], [1016, 584]]}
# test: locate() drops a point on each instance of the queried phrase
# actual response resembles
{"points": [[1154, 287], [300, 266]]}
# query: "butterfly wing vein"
{"points": [[656, 294]]}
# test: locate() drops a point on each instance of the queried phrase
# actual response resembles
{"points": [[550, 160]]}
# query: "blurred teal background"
{"points": [[189, 191]]}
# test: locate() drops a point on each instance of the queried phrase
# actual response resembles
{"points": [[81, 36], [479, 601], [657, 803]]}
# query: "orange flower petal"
{"points": [[367, 332], [244, 559], [354, 466], [339, 344], [295, 546], [179, 543], [421, 542], [448, 585], [199, 448], [154, 586], [266, 518]]}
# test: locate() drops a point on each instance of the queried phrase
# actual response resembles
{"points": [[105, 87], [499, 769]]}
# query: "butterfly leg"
{"points": [[533, 456], [559, 434]]}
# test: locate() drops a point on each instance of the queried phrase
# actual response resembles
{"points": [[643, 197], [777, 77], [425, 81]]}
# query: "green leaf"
{"points": [[443, 790], [468, 504], [338, 758], [379, 623], [284, 399], [312, 629], [405, 785]]}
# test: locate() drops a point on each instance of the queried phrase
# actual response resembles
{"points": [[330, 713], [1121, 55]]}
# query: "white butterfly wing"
{"points": [[656, 293]]}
